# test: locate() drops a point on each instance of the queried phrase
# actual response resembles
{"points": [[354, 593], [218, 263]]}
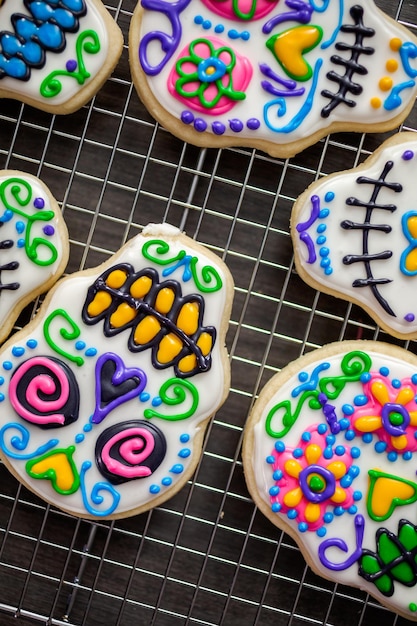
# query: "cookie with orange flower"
{"points": [[329, 454]]}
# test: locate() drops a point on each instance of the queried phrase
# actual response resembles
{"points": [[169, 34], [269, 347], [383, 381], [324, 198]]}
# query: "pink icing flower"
{"points": [[390, 413], [313, 479], [209, 76]]}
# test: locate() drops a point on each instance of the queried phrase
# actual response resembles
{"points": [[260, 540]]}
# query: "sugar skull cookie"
{"points": [[33, 244], [106, 395], [353, 235], [330, 457], [56, 54], [275, 75]]}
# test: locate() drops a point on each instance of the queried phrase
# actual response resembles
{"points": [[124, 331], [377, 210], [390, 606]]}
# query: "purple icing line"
{"points": [[301, 14], [337, 542], [305, 238], [315, 212], [269, 87], [269, 73]]}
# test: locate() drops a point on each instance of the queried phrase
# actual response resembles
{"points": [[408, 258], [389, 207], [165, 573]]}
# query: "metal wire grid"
{"points": [[207, 556]]}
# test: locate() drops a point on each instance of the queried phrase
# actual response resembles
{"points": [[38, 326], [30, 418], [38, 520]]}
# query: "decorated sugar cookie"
{"points": [[275, 75], [56, 54], [329, 455], [33, 244], [354, 235], [106, 395]]}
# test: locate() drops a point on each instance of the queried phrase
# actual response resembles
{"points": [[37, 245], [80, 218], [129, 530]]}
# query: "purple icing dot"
{"points": [[48, 230], [253, 123], [71, 65], [39, 203], [236, 125], [187, 117], [218, 128], [410, 317], [200, 125], [407, 155]]}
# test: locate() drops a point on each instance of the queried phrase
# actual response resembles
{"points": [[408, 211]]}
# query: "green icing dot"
{"points": [[316, 484], [413, 607], [395, 418]]}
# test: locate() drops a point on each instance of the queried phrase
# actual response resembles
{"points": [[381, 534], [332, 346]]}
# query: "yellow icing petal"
{"points": [[400, 442], [413, 418], [293, 497], [313, 453], [339, 495], [380, 392], [337, 468], [368, 424], [405, 395], [292, 467], [312, 512]]}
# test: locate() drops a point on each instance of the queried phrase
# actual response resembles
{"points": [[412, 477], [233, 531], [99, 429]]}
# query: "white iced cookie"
{"points": [[56, 54], [106, 395], [273, 75], [330, 457], [355, 235], [33, 244]]}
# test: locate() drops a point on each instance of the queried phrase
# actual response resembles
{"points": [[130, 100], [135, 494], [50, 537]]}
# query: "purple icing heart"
{"points": [[115, 384]]}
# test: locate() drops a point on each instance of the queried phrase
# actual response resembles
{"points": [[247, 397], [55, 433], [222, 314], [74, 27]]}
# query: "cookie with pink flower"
{"points": [[329, 454]]}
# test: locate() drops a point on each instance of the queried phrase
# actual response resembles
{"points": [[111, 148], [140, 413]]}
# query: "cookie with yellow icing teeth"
{"points": [[106, 395], [33, 243], [329, 456], [355, 232], [272, 75], [56, 54]]}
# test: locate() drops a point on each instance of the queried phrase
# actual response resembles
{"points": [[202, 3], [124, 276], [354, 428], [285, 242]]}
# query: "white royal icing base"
{"points": [[401, 365], [212, 385], [399, 292]]}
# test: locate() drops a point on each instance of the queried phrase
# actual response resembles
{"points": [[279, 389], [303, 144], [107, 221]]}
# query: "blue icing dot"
{"points": [[353, 509], [338, 511], [321, 429], [292, 514], [7, 216], [321, 228], [276, 507], [303, 527], [306, 436], [20, 227], [87, 428], [279, 446], [219, 28], [339, 450], [329, 196], [144, 396], [321, 239], [91, 352], [350, 435], [328, 453], [184, 453], [7, 365], [1, 397], [414, 379], [380, 447], [360, 400], [328, 271], [277, 475], [328, 517], [198, 19], [177, 468], [344, 423], [270, 460], [184, 438], [384, 371], [396, 383], [365, 377], [348, 409], [79, 438], [18, 351], [392, 456], [407, 456], [330, 439], [154, 489], [324, 213], [355, 452], [233, 34], [325, 262], [206, 24], [156, 401], [297, 453], [302, 377], [31, 343], [367, 438], [357, 495], [1, 380], [20, 243], [274, 491], [321, 532], [324, 251], [166, 481], [80, 345]]}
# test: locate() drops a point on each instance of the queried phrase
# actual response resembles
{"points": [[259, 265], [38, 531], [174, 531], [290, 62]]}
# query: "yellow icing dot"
{"points": [[391, 65], [164, 300], [169, 348], [187, 319], [395, 44], [122, 315], [385, 83], [312, 512], [102, 300], [116, 279], [376, 103], [140, 287], [146, 330]]}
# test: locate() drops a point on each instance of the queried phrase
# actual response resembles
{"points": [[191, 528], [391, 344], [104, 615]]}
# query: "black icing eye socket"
{"points": [[44, 391], [129, 450]]}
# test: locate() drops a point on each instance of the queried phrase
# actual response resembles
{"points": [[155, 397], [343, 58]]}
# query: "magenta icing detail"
{"points": [[137, 445], [227, 8], [407, 155]]}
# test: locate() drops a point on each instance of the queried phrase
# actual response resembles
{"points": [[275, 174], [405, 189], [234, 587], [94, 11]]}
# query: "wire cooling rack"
{"points": [[207, 556]]}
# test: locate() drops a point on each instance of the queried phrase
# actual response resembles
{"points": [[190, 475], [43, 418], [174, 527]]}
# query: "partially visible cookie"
{"points": [[33, 244], [330, 457], [106, 395], [355, 235], [56, 54], [271, 75]]}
